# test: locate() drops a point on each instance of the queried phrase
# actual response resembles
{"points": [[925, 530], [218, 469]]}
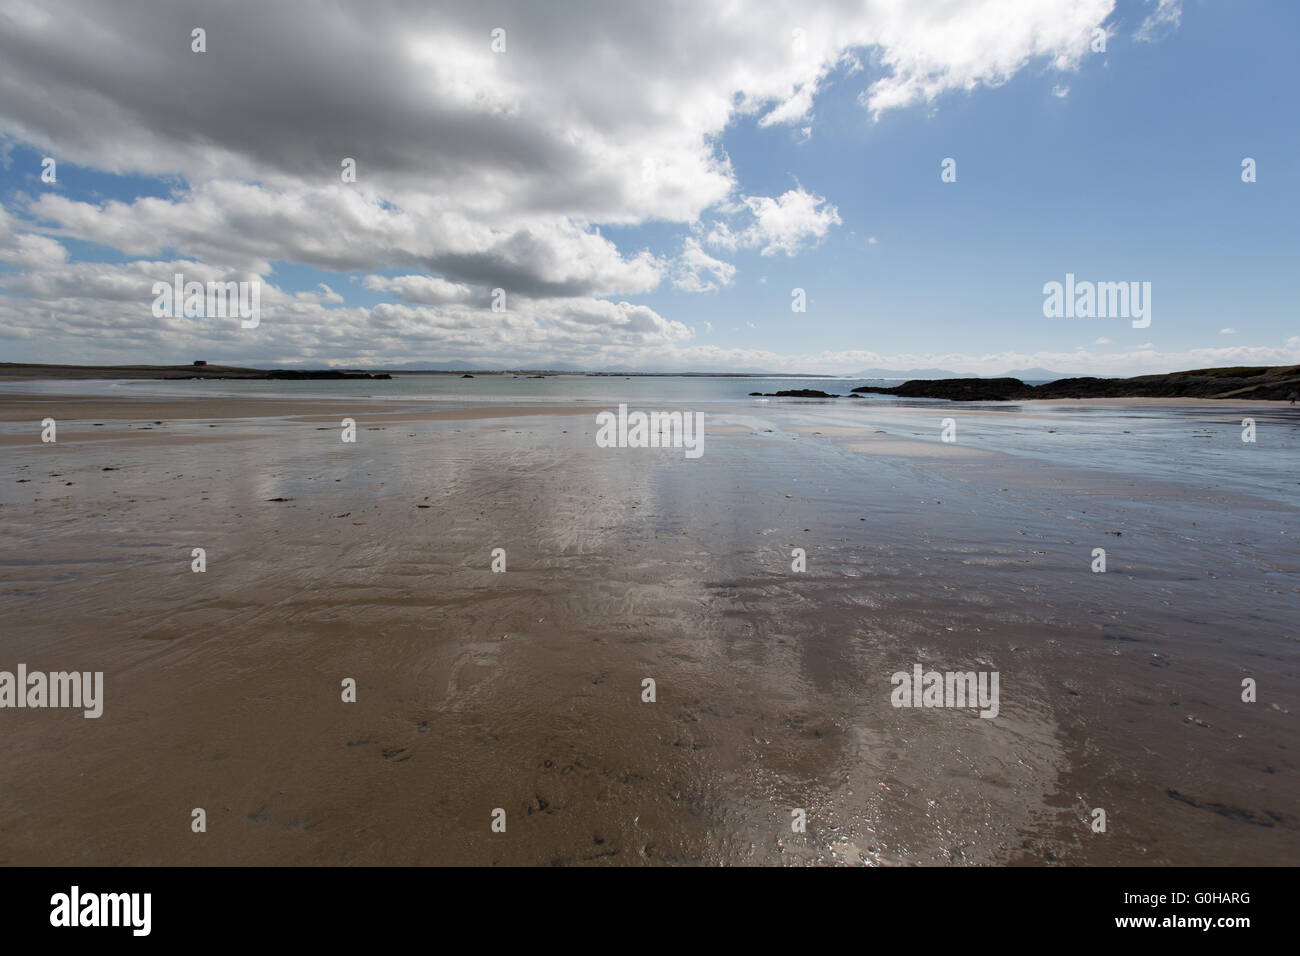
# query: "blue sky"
{"points": [[1135, 174], [1123, 165]]}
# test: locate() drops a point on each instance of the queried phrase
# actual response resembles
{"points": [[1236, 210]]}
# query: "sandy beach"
{"points": [[701, 435], [522, 690]]}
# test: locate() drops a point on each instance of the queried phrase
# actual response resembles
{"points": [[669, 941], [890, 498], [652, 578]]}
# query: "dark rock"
{"points": [[1255, 382]]}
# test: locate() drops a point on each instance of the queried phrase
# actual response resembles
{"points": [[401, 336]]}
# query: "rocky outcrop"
{"points": [[1253, 382]]}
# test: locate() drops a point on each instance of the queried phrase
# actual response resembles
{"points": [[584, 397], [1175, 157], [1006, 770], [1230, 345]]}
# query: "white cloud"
{"points": [[1167, 16], [321, 295], [787, 224], [27, 250], [415, 95], [475, 170], [934, 48], [107, 310], [246, 226], [1227, 331], [697, 271], [796, 109], [419, 290]]}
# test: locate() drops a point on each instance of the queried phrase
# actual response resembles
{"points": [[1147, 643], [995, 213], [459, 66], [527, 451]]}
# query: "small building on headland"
{"points": [[200, 362]]}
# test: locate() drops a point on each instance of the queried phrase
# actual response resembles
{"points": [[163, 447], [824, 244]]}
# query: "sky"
{"points": [[652, 186]]}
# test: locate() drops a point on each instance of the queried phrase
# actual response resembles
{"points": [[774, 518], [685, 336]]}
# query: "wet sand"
{"points": [[522, 690]]}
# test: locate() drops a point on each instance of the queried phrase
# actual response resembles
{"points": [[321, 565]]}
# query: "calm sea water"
{"points": [[1197, 444], [452, 389]]}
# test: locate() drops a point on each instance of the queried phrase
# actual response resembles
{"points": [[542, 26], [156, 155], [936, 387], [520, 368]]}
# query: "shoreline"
{"points": [[80, 408], [1179, 402], [1273, 384], [71, 407]]}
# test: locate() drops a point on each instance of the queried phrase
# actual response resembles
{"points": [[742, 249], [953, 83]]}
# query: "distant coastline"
{"points": [[1255, 383], [18, 371], [1258, 383]]}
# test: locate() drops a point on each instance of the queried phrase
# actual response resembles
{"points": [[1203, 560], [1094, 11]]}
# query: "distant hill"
{"points": [[1026, 374], [909, 373], [15, 370], [1036, 375], [452, 366], [1254, 382]]}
